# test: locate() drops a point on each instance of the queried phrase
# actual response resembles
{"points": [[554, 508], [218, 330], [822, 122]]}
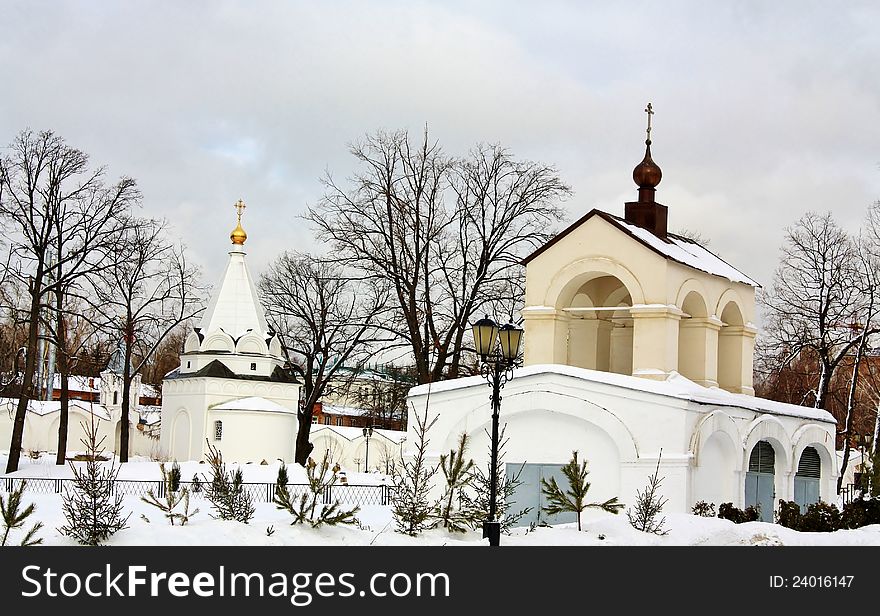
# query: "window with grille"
{"points": [[253, 365], [763, 458], [218, 430], [810, 464]]}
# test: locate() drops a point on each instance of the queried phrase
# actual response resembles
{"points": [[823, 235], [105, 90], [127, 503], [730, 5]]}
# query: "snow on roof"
{"points": [[46, 407], [688, 252], [675, 247], [338, 409], [352, 433], [675, 386], [79, 383], [252, 403]]}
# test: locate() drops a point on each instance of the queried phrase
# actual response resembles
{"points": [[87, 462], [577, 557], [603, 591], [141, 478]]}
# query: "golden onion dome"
{"points": [[238, 235]]}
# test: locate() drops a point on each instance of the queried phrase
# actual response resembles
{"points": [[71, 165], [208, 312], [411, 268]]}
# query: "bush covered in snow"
{"points": [[726, 511]]}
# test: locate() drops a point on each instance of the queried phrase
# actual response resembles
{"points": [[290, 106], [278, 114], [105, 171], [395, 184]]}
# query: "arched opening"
{"points": [[760, 480], [730, 349], [600, 327], [692, 339], [715, 474], [180, 437], [807, 478]]}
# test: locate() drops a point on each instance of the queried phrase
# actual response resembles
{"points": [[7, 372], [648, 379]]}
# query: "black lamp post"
{"points": [[368, 432], [498, 348]]}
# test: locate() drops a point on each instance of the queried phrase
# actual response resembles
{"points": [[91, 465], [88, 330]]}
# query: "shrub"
{"points": [[727, 511], [704, 509], [789, 514], [820, 517], [173, 497], [860, 512], [15, 516]]}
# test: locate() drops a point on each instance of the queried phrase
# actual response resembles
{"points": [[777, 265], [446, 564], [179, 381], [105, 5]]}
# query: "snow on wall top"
{"points": [[351, 433], [675, 386]]}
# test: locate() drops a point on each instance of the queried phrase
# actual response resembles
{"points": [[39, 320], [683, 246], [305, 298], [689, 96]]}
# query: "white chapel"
{"points": [[640, 341], [231, 389]]}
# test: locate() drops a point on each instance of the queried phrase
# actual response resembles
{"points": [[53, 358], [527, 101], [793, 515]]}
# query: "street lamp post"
{"points": [[368, 432], [498, 348]]}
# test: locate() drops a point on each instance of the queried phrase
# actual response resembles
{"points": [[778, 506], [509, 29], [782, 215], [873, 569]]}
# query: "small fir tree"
{"points": [[226, 490], [451, 512], [92, 508], [196, 484], [476, 500], [574, 499], [14, 517], [172, 499], [410, 503], [306, 508], [173, 477], [649, 504]]}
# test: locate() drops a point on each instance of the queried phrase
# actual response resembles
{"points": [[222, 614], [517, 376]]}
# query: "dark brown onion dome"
{"points": [[647, 174]]}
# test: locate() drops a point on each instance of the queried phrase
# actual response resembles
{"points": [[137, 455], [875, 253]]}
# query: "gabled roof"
{"points": [[252, 403], [674, 247]]}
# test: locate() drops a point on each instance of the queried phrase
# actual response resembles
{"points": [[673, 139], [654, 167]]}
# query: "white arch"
{"points": [[573, 276], [219, 341], [730, 295], [251, 343], [692, 285], [714, 422], [768, 428], [570, 405], [181, 435], [192, 343]]}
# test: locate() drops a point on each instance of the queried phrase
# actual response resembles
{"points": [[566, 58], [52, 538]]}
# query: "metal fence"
{"points": [[346, 494]]}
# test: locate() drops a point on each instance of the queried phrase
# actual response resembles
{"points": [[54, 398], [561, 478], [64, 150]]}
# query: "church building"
{"points": [[231, 390], [638, 347]]}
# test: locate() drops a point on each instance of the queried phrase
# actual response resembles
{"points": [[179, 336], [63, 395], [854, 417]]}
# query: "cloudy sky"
{"points": [[764, 110]]}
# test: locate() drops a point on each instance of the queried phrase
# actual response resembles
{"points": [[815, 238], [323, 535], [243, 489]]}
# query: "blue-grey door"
{"points": [[528, 493], [806, 480], [760, 489]]}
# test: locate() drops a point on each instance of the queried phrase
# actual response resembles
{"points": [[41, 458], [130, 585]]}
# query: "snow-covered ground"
{"points": [[377, 526]]}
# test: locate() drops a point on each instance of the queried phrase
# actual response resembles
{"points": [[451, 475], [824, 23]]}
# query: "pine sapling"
{"points": [[226, 491], [574, 499], [14, 517], [306, 509], [410, 503], [649, 504], [476, 499], [458, 474], [92, 508], [172, 499]]}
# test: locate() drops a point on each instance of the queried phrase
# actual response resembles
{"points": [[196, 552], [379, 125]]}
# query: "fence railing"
{"points": [[348, 494]]}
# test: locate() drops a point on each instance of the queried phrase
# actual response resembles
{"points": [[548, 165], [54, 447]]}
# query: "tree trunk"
{"points": [[27, 383], [303, 446], [63, 368], [126, 395], [850, 410]]}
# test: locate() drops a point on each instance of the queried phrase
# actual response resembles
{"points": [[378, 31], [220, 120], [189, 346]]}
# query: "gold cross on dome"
{"points": [[239, 206], [650, 111]]}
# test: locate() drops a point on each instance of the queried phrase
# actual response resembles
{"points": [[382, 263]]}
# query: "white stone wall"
{"points": [[551, 410]]}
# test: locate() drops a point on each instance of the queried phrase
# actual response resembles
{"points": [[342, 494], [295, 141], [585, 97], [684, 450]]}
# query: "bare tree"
{"points": [[815, 299], [46, 185], [148, 291], [324, 319], [446, 235]]}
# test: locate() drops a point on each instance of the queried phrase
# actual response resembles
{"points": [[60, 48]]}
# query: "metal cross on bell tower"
{"points": [[240, 206], [650, 111]]}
